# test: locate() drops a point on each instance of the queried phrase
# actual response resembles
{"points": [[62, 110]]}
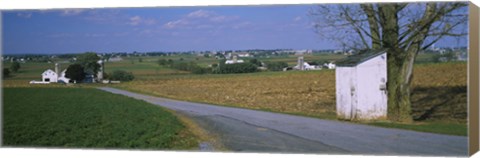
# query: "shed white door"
{"points": [[371, 91], [345, 92]]}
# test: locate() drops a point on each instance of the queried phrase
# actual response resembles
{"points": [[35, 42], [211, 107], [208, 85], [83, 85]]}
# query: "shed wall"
{"points": [[361, 90], [372, 96], [345, 85]]}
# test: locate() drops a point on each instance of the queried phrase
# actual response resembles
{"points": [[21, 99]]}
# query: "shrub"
{"points": [[236, 68], [276, 66], [121, 75], [162, 62], [200, 70], [6, 72], [214, 65], [184, 66], [15, 66], [106, 76], [190, 66], [256, 62]]}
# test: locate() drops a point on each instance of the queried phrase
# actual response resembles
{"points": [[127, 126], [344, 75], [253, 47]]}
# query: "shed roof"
{"points": [[354, 60]]}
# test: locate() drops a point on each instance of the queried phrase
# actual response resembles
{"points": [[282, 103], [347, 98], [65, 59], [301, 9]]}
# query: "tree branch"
{"points": [[356, 28], [373, 23]]}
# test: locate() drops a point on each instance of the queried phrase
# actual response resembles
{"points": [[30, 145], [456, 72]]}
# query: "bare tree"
{"points": [[403, 29]]}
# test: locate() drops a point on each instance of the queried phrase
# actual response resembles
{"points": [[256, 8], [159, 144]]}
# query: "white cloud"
{"points": [[298, 18], [176, 23], [71, 12], [24, 15], [200, 19], [223, 18], [242, 25], [137, 20], [200, 14], [115, 17]]}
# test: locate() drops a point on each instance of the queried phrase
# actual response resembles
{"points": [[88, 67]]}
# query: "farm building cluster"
{"points": [[302, 65], [50, 76]]}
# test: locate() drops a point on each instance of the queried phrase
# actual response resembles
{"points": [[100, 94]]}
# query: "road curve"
{"points": [[259, 131]]}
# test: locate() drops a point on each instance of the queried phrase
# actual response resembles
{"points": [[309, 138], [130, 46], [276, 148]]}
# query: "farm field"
{"points": [[88, 118], [148, 68], [439, 95]]}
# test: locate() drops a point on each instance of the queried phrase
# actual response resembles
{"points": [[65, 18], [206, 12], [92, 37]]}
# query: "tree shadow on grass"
{"points": [[439, 103]]}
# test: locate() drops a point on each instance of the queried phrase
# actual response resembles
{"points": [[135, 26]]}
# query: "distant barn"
{"points": [[50, 76], [361, 80]]}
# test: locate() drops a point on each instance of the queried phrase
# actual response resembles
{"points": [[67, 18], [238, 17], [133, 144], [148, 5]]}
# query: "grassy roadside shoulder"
{"points": [[447, 127], [202, 135], [439, 127], [89, 118]]}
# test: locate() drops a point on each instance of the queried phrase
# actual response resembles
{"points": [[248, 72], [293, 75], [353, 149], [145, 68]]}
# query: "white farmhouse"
{"points": [[115, 59], [302, 65], [62, 78], [330, 65], [306, 66], [361, 86], [50, 76], [244, 54], [234, 60]]}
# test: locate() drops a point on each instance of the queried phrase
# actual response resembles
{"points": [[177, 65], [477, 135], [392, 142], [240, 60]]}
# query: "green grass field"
{"points": [[450, 128], [88, 118]]}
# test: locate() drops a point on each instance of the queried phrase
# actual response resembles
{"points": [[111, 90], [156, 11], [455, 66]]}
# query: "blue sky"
{"points": [[162, 29]]}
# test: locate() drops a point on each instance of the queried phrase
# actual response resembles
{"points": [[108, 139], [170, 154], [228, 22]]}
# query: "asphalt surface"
{"points": [[246, 130]]}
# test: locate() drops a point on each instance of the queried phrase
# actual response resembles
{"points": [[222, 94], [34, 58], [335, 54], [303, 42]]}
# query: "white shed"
{"points": [[361, 86]]}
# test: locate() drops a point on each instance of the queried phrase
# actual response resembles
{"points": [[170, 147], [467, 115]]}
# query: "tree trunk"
{"points": [[399, 66], [399, 74]]}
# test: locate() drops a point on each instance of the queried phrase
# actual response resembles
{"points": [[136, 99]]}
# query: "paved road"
{"points": [[258, 131]]}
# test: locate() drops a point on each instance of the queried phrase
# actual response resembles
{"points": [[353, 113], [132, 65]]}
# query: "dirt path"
{"points": [[258, 131]]}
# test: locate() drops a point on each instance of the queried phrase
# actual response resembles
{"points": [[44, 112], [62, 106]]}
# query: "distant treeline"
{"points": [[220, 68], [184, 66], [235, 68]]}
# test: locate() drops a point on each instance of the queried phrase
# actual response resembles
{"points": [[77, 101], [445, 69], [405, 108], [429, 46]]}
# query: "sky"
{"points": [[162, 29]]}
